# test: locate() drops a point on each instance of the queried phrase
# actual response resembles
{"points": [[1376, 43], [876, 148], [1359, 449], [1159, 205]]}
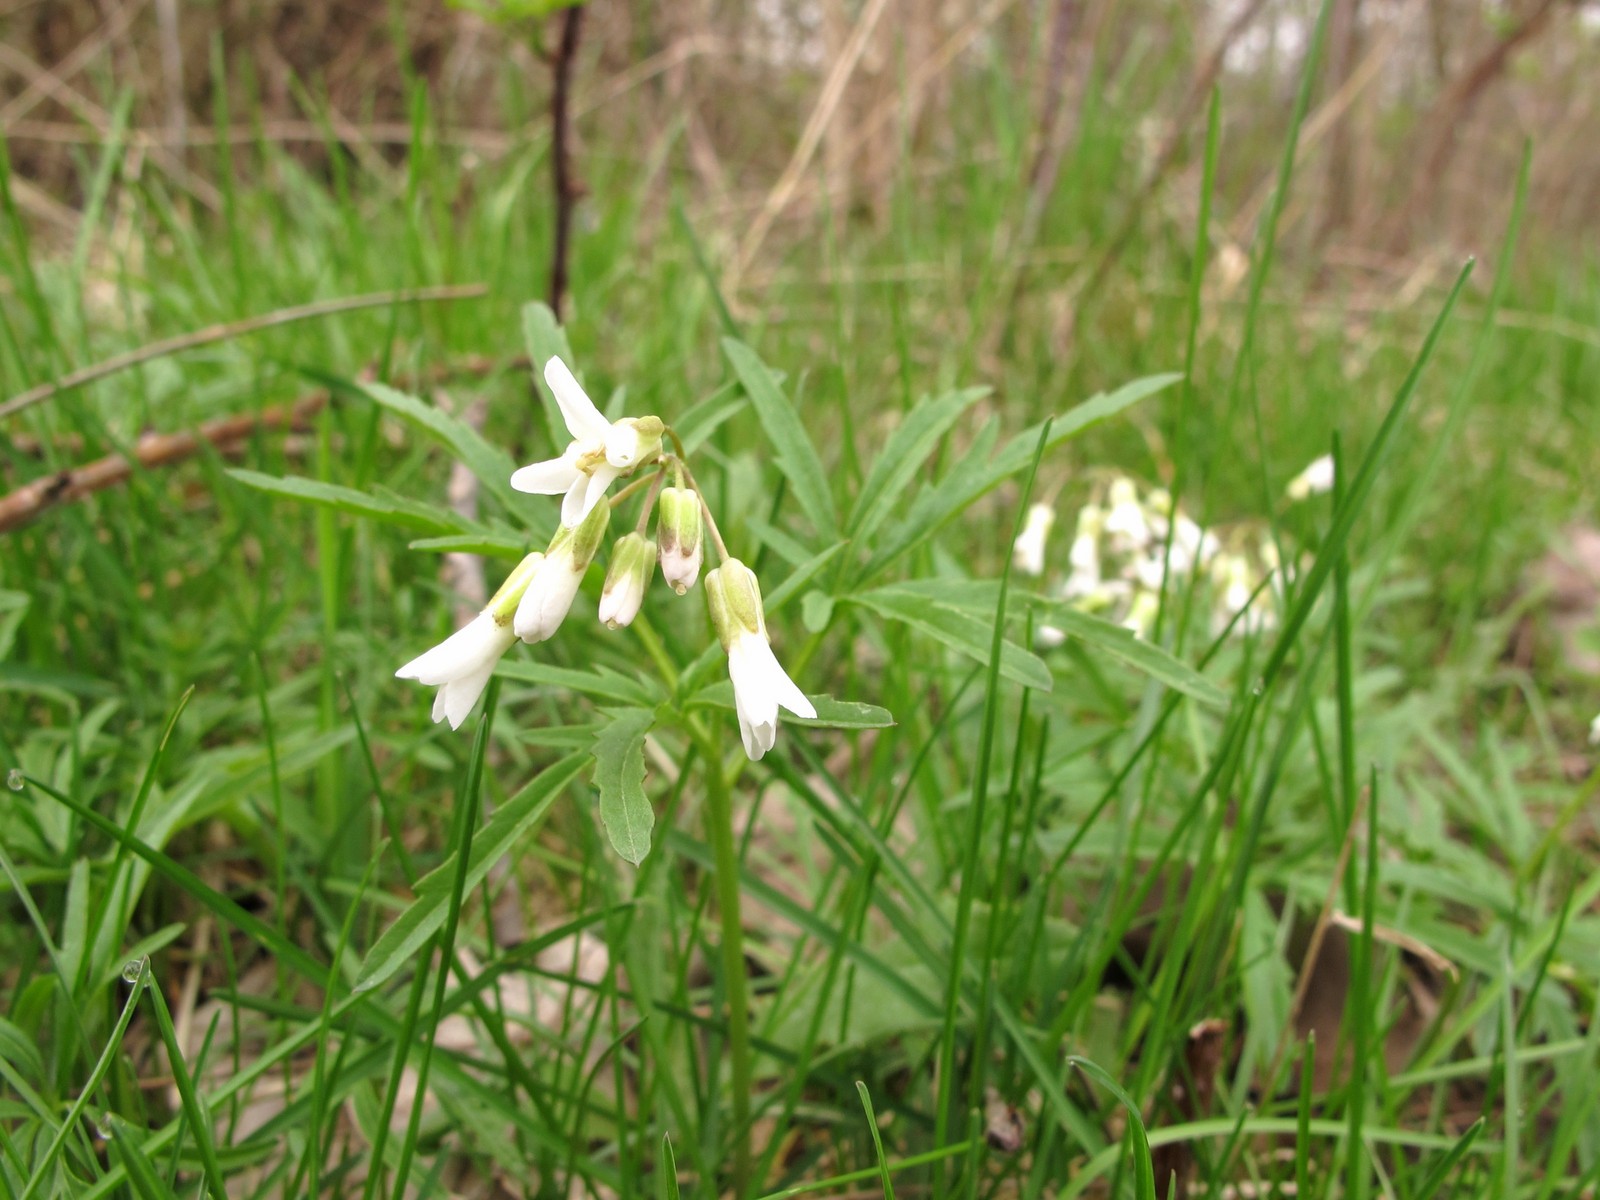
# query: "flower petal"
{"points": [[776, 682], [572, 504], [582, 417], [585, 493], [548, 478], [479, 641], [459, 695]]}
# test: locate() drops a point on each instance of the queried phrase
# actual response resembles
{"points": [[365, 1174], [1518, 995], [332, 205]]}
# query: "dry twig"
{"points": [[152, 450], [227, 332]]}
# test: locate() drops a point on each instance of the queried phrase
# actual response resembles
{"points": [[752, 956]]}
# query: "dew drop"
{"points": [[14, 779], [104, 1131], [1259, 686], [133, 970]]}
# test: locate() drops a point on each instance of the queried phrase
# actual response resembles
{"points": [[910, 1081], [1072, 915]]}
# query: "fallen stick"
{"points": [[152, 450]]}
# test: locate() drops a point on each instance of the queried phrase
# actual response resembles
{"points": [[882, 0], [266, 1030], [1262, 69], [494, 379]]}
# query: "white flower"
{"points": [[1313, 481], [460, 665], [1028, 551], [1126, 523], [555, 581], [600, 450], [1594, 731], [1191, 546], [1150, 570], [1142, 613], [760, 684], [633, 562], [1084, 557]]}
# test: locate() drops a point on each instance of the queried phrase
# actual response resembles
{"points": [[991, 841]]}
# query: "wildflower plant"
{"points": [[637, 686], [539, 594]]}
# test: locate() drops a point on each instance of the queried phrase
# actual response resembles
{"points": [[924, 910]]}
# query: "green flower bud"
{"points": [[679, 528], [734, 596], [633, 561]]}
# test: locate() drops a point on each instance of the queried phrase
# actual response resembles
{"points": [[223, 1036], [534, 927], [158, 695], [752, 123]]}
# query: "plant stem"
{"points": [[725, 852]]}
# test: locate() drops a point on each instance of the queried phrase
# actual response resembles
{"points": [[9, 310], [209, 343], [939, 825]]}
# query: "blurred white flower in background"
{"points": [[1131, 544], [1316, 479], [1028, 551]]}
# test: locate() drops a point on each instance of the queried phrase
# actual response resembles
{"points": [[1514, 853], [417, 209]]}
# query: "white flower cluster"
{"points": [[1126, 541], [536, 597]]}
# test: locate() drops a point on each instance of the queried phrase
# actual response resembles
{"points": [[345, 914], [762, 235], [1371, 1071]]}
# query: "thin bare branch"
{"points": [[152, 450], [227, 332]]}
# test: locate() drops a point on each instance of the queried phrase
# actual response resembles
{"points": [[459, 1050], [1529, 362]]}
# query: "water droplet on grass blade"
{"points": [[133, 970], [14, 779]]}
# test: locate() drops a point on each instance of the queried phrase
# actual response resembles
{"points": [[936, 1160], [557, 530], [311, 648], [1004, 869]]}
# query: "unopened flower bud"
{"points": [[733, 594], [633, 562], [555, 581], [678, 528]]}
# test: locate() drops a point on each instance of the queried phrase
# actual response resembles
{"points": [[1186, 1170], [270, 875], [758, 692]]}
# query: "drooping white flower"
{"points": [[1313, 481], [554, 584], [679, 528], [600, 450], [1028, 550], [760, 684], [633, 562], [1084, 557], [1126, 523], [1142, 613], [460, 665]]}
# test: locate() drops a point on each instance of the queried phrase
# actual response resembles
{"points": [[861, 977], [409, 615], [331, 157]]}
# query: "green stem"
{"points": [[725, 856]]}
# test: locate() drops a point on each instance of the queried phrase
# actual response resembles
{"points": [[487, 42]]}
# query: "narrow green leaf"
{"points": [[421, 920], [1144, 1177], [625, 810], [961, 631], [494, 545], [194, 1108], [902, 456], [142, 1174], [877, 1141], [1136, 652], [696, 424], [831, 713], [796, 455], [803, 574], [976, 473], [666, 1171], [42, 1168], [545, 339], [600, 681], [1447, 1162], [391, 510], [491, 465]]}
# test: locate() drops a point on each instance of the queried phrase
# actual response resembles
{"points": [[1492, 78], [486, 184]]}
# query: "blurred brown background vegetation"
{"points": [[1411, 145]]}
